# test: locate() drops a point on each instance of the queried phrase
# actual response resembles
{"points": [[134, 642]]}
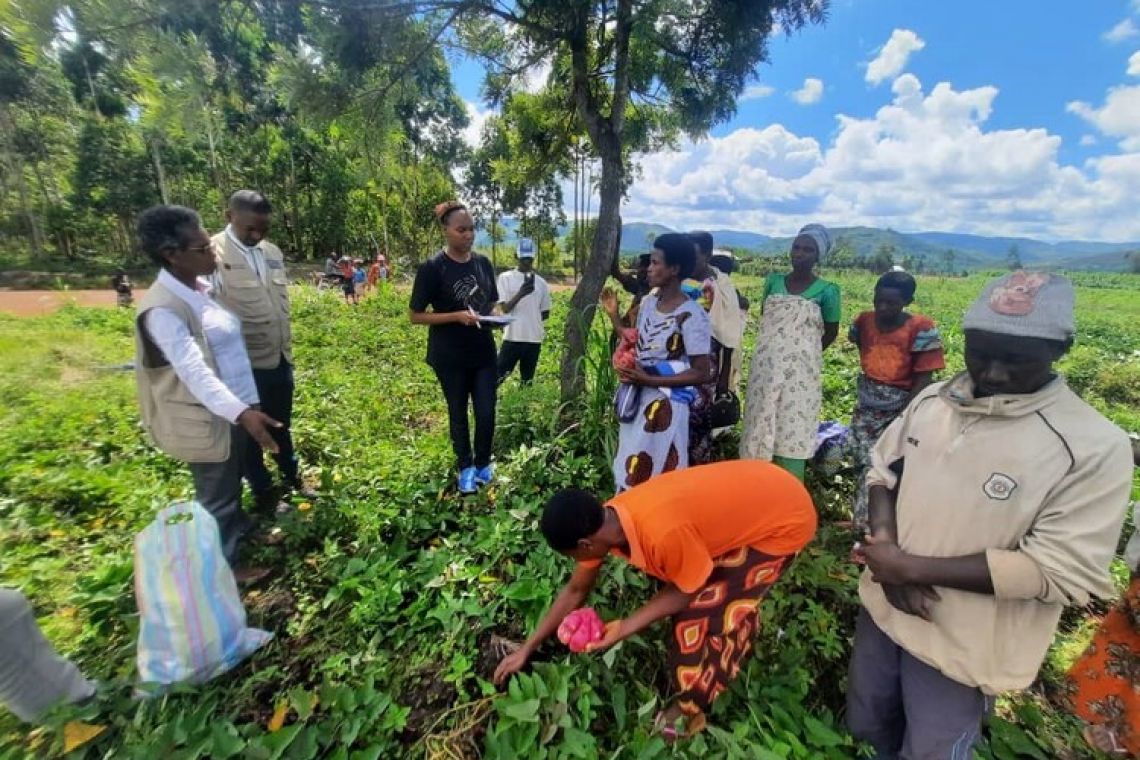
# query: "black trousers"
{"points": [[477, 384], [275, 389], [523, 354]]}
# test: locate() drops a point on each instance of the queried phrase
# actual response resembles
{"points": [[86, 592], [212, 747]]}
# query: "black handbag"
{"points": [[725, 411]]}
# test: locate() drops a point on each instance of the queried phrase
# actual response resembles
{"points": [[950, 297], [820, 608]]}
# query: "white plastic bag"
{"points": [[192, 622]]}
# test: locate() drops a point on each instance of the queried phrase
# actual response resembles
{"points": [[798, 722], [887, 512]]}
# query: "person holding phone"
{"points": [[524, 295], [459, 287]]}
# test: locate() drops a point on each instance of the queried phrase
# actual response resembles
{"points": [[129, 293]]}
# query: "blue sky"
{"points": [[991, 117]]}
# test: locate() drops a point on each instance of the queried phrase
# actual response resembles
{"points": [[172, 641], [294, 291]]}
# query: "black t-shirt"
{"points": [[446, 285]]}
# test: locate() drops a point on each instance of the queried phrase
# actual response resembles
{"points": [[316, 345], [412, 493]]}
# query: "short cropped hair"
{"points": [[679, 252], [569, 516], [900, 281], [250, 201], [703, 240], [166, 228], [723, 262]]}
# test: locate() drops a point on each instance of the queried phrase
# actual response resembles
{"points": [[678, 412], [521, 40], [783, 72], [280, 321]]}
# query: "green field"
{"points": [[389, 587]]}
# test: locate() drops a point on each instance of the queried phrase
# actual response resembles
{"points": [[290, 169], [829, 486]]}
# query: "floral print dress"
{"points": [[784, 385], [656, 440]]}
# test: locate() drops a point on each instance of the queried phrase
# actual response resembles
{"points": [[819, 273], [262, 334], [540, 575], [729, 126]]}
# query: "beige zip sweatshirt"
{"points": [[1039, 483]]}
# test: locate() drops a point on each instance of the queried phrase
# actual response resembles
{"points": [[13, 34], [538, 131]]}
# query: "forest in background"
{"points": [[351, 126]]}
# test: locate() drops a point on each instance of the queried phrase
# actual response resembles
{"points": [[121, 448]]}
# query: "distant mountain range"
{"points": [[970, 251]]}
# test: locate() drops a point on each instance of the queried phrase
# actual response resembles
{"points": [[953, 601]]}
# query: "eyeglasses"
{"points": [[200, 248]]}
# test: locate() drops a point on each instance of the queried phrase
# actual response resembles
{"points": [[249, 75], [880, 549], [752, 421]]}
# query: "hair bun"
{"points": [[445, 208]]}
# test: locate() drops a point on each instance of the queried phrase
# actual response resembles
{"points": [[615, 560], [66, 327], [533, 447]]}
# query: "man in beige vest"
{"points": [[250, 281]]}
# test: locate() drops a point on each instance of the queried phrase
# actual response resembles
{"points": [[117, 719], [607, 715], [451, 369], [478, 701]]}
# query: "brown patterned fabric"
{"points": [[714, 634]]}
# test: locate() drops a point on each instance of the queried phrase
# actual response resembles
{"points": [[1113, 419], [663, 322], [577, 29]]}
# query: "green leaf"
{"points": [[225, 742], [647, 708], [525, 590], [523, 712], [617, 702], [302, 702], [821, 734]]}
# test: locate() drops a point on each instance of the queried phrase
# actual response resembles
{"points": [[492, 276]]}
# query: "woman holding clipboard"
{"points": [[459, 286]]}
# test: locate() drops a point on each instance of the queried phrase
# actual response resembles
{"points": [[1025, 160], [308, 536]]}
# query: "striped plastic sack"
{"points": [[192, 624]]}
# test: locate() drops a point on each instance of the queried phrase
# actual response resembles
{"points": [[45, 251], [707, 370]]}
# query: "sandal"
{"points": [[1104, 739], [693, 725]]}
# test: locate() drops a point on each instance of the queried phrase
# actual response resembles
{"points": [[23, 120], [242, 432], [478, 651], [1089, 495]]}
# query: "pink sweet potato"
{"points": [[580, 628]]}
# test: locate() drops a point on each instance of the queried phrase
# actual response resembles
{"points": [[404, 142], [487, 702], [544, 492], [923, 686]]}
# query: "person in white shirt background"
{"points": [[173, 237], [524, 295], [261, 302]]}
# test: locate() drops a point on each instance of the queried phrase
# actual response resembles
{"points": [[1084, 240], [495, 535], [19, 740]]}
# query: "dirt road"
{"points": [[26, 303], [30, 303]]}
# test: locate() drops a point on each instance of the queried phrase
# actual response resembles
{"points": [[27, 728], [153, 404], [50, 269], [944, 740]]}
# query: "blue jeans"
{"points": [[275, 389]]}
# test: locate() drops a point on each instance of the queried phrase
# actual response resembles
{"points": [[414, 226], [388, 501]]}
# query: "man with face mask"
{"points": [[996, 500], [251, 282]]}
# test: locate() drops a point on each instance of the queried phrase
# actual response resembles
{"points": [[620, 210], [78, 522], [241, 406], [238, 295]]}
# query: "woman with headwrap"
{"points": [[800, 320]]}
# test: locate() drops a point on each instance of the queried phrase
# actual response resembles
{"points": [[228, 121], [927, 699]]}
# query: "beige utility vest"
{"points": [[262, 307], [178, 423]]}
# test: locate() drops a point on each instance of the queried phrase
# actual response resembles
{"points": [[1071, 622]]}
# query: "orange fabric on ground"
{"points": [[1102, 687], [678, 523]]}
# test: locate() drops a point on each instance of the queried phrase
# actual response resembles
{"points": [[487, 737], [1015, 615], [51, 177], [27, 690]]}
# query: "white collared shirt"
{"points": [[231, 390]]}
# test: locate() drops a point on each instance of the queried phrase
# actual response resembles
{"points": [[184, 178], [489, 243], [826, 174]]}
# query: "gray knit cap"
{"points": [[1026, 304]]}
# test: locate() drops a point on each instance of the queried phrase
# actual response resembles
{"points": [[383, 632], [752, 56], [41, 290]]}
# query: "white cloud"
{"points": [[810, 93], [1126, 29], [1134, 63], [893, 56], [756, 92], [1088, 140], [923, 161], [1119, 117], [477, 118], [534, 78]]}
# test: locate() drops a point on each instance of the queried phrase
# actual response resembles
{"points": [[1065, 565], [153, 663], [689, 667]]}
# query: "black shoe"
{"points": [[268, 503]]}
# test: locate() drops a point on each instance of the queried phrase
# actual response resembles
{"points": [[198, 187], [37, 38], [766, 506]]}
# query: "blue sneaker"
{"points": [[485, 475], [468, 481]]}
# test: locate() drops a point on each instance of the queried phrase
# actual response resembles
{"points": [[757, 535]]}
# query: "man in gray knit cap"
{"points": [[996, 499]]}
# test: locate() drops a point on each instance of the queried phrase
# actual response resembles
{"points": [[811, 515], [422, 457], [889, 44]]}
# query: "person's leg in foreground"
{"points": [[33, 676], [903, 707], [713, 636]]}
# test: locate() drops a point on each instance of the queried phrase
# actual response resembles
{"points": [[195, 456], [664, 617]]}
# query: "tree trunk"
{"points": [[584, 302], [494, 241], [34, 225], [159, 171]]}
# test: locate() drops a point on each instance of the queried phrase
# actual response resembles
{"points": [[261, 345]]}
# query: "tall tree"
{"points": [[631, 75]]}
